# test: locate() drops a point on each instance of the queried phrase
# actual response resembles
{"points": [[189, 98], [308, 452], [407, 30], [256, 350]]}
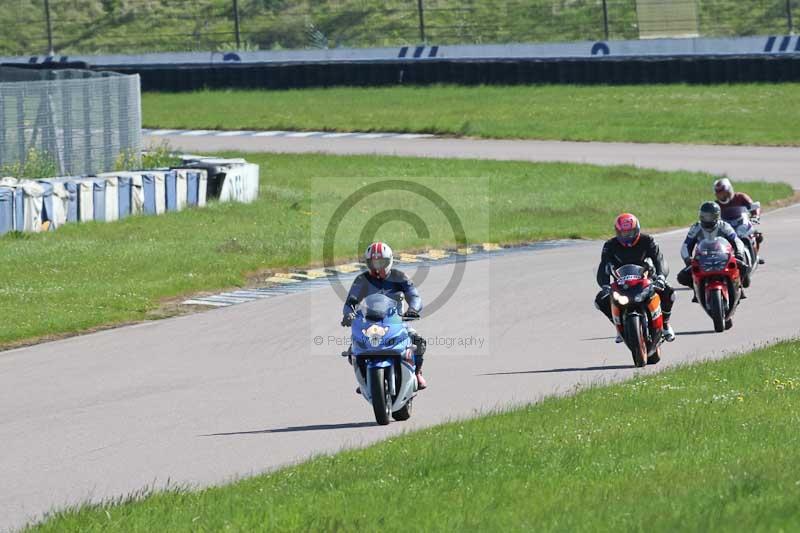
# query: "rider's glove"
{"points": [[660, 283], [411, 313], [755, 219], [606, 289], [347, 320]]}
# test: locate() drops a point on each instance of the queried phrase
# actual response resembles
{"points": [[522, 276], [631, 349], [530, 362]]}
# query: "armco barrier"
{"points": [[584, 71], [662, 47]]}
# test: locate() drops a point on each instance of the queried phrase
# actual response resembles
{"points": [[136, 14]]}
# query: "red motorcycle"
{"points": [[636, 306], [717, 281]]}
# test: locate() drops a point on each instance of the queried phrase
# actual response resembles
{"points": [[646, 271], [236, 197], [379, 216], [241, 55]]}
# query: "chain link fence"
{"points": [[129, 26], [80, 122]]}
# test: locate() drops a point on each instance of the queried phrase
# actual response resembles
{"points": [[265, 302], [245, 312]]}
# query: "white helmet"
{"points": [[724, 190], [379, 259]]}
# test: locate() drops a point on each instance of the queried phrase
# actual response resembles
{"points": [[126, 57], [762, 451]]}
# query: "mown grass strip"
{"points": [[708, 447], [714, 114], [86, 275]]}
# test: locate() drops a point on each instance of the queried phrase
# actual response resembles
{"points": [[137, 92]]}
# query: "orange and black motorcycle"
{"points": [[636, 308]]}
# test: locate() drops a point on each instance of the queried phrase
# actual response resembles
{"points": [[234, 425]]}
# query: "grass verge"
{"points": [[715, 114], [707, 447], [135, 26], [88, 275]]}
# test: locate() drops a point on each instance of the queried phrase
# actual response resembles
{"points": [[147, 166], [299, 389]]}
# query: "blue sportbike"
{"points": [[382, 356]]}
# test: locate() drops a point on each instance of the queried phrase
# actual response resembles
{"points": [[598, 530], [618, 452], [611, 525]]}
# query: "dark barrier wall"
{"points": [[688, 69]]}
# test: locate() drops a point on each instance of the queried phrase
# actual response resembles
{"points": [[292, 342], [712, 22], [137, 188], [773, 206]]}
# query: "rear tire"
{"points": [[717, 310], [381, 400], [635, 340], [404, 413]]}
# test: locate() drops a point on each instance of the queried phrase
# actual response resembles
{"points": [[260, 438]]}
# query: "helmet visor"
{"points": [[628, 237], [708, 220], [376, 264], [724, 195]]}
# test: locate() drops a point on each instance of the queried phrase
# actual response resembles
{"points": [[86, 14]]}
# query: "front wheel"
{"points": [[404, 413], [717, 310], [381, 399], [634, 339]]}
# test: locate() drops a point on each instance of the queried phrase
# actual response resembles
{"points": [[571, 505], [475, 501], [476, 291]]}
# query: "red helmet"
{"points": [[628, 229], [378, 258]]}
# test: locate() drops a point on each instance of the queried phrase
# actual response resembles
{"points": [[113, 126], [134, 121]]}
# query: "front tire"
{"points": [[381, 399], [404, 413], [717, 310], [655, 358], [634, 339]]}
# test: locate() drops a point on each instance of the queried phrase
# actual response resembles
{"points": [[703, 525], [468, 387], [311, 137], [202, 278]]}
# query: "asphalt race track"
{"points": [[204, 398], [740, 162]]}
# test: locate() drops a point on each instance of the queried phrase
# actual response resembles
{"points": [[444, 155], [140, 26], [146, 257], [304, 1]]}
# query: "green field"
{"points": [[86, 275], [707, 447], [721, 114], [132, 26]]}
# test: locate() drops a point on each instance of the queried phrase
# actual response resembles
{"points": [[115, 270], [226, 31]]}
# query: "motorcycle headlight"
{"points": [[621, 299]]}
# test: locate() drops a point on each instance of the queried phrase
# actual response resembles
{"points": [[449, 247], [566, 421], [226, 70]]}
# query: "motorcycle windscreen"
{"points": [[713, 255], [628, 272], [377, 307]]}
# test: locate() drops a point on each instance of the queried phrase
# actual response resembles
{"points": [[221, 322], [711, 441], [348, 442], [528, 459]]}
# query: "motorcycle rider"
{"points": [[727, 197], [381, 278], [632, 247], [710, 226]]}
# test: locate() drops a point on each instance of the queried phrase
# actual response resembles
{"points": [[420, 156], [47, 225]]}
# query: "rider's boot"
{"points": [[669, 333], [421, 383], [349, 354], [421, 346]]}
